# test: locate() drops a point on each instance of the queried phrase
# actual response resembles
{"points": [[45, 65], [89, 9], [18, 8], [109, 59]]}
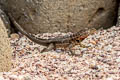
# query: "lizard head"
{"points": [[85, 33]]}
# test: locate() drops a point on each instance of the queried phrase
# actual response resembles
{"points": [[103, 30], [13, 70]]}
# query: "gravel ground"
{"points": [[100, 61]]}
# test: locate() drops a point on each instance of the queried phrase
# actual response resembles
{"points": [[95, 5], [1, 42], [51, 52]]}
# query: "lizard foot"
{"points": [[83, 46], [50, 47]]}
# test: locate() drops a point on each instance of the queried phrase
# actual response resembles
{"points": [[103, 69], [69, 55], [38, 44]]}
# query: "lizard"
{"points": [[65, 41], [72, 40]]}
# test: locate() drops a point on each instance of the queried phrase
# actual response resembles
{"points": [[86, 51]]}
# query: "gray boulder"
{"points": [[118, 18], [5, 48], [39, 16]]}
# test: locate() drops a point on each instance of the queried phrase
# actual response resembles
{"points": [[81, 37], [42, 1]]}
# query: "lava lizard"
{"points": [[65, 41]]}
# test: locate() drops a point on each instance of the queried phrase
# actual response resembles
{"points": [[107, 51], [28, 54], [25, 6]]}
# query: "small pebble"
{"points": [[100, 60]]}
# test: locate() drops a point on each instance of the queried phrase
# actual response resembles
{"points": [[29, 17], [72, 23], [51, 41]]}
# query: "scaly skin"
{"points": [[75, 39], [52, 43]]}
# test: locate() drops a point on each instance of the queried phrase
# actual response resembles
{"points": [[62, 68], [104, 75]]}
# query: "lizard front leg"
{"points": [[70, 49]]}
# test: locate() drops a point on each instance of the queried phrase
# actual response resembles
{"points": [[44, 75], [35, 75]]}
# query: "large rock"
{"points": [[6, 21], [118, 18], [61, 15], [5, 48]]}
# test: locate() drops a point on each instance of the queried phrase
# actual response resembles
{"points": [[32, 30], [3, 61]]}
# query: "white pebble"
{"points": [[20, 77], [1, 78], [13, 76], [109, 78]]}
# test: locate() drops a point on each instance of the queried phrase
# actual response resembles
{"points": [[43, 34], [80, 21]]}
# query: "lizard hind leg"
{"points": [[50, 47], [70, 49], [83, 46]]}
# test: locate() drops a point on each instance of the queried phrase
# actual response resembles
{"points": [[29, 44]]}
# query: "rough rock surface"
{"points": [[61, 15], [118, 18], [5, 48], [6, 21]]}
